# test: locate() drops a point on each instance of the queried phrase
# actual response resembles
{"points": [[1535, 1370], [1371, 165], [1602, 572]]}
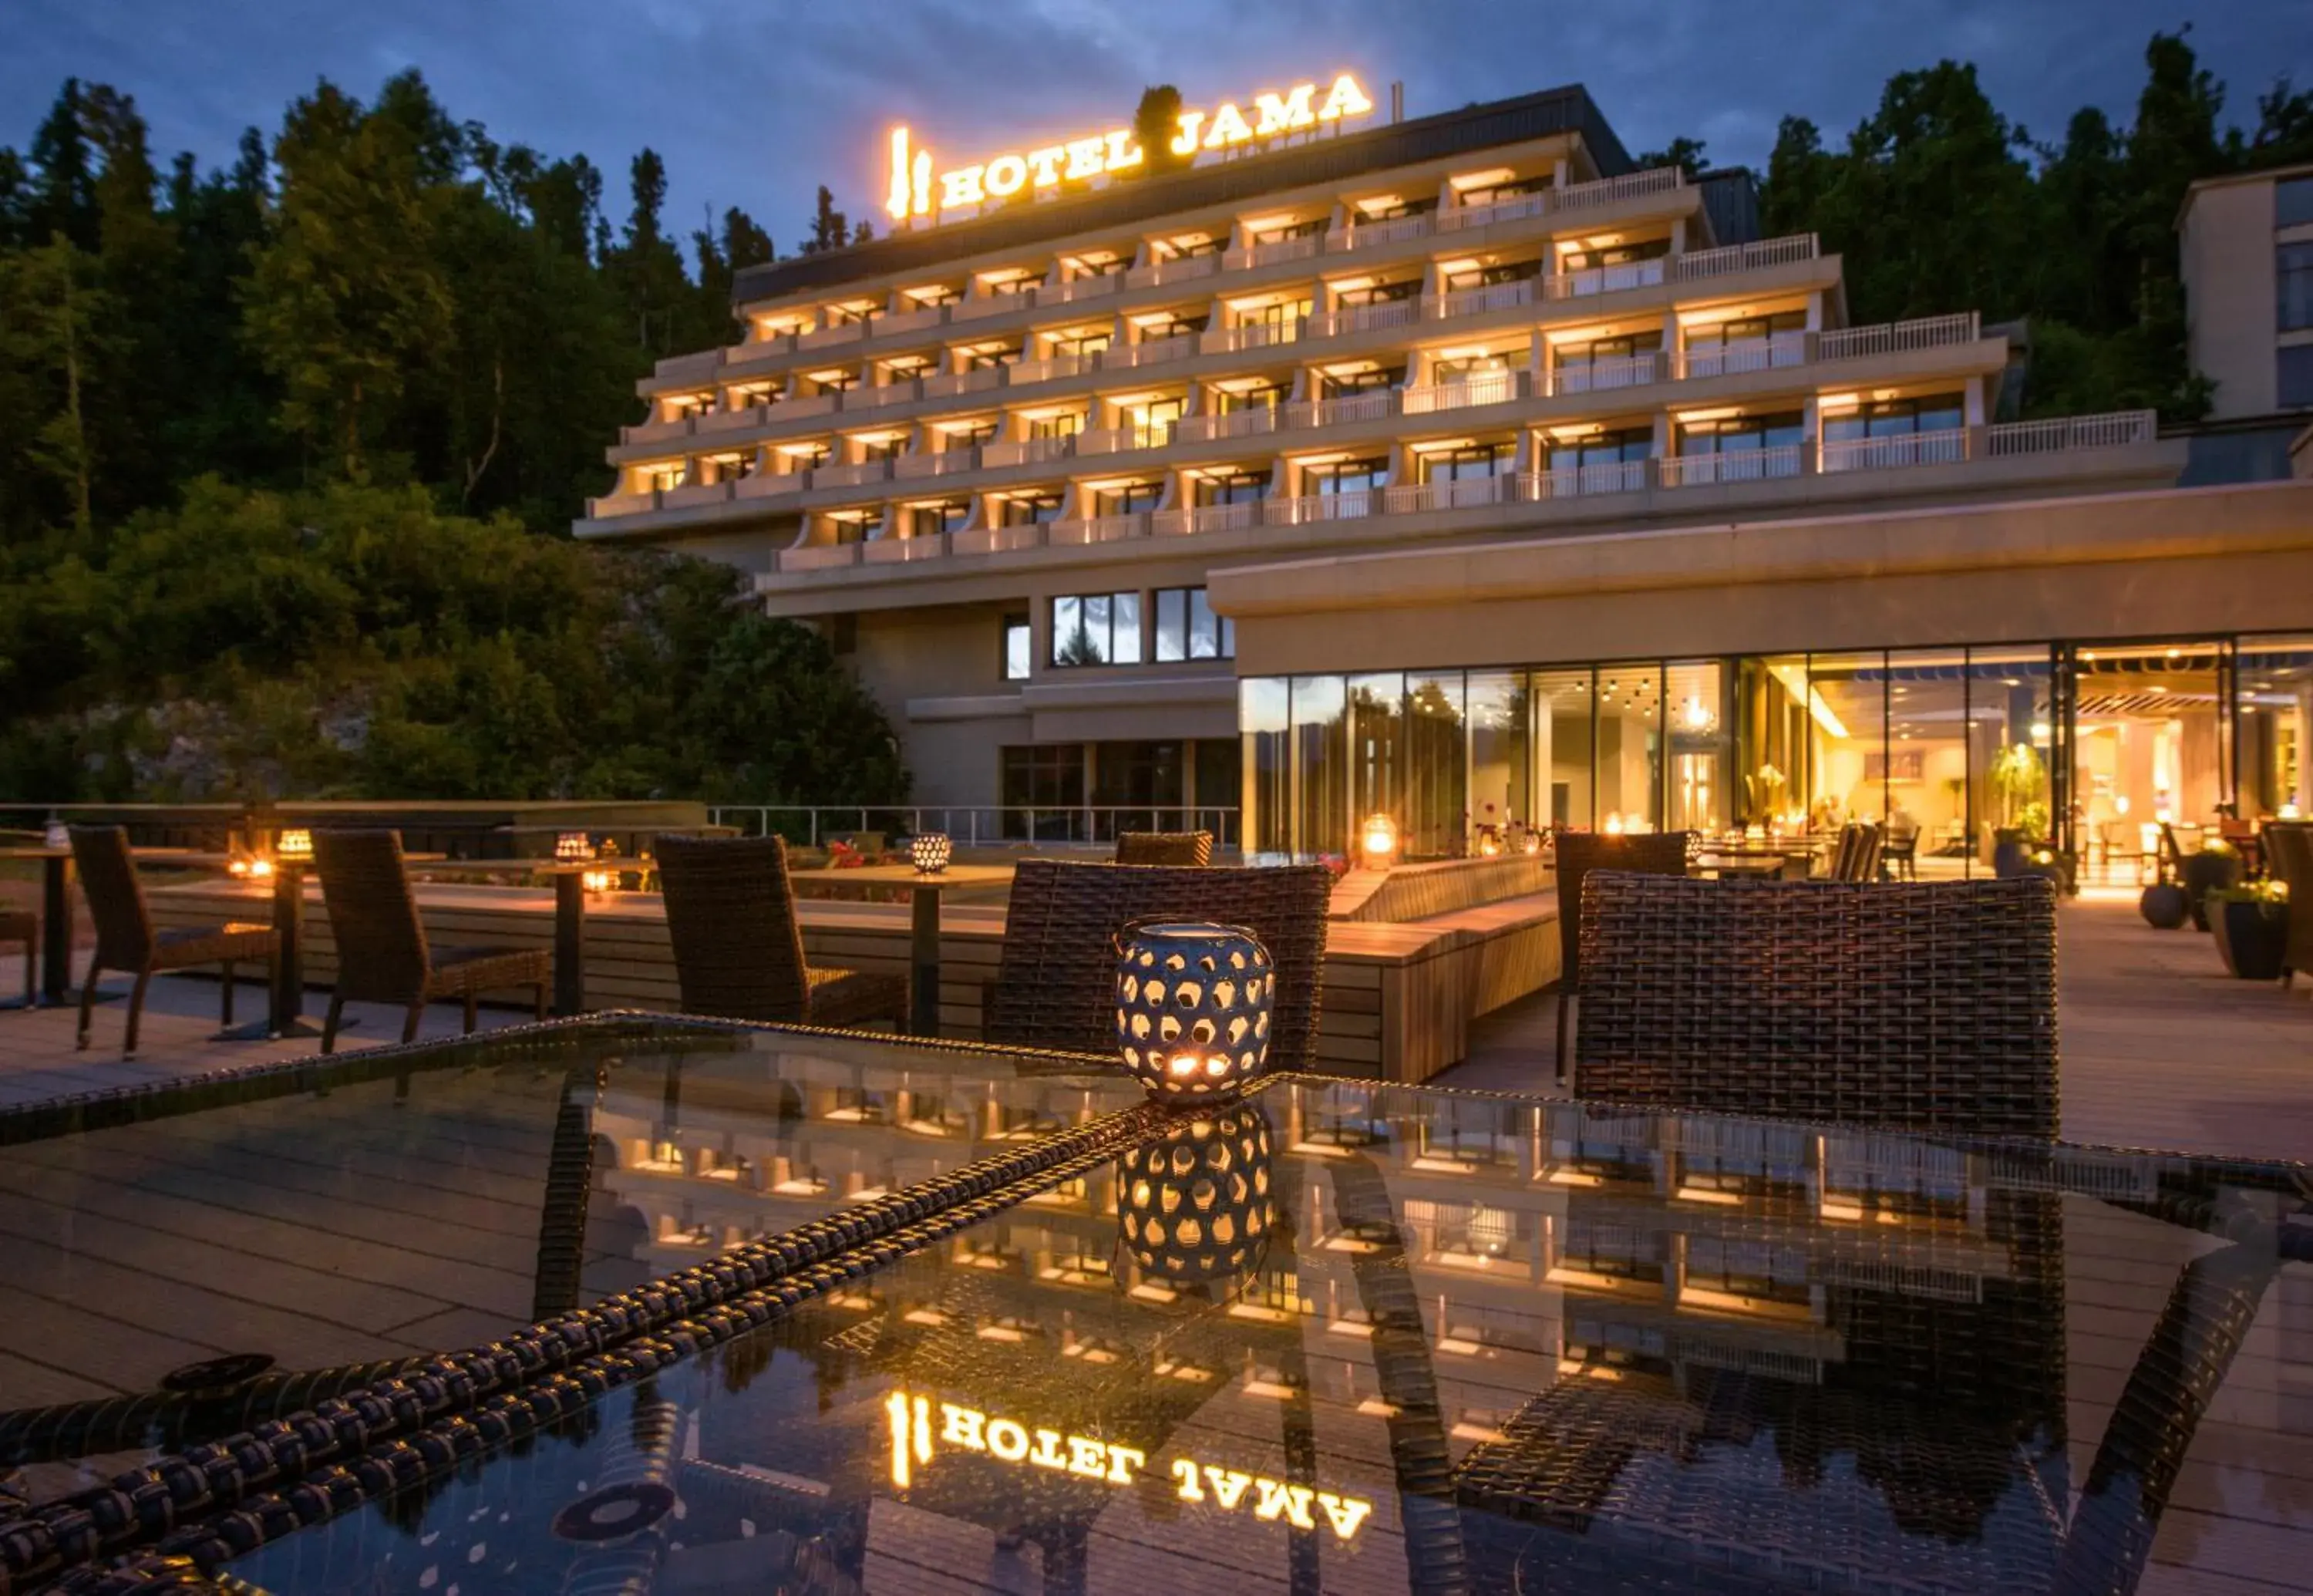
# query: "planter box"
{"points": [[2251, 937]]}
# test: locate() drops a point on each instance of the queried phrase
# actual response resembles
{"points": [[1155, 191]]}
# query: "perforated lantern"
{"points": [[573, 848], [931, 850], [295, 846], [1192, 1009], [1193, 1205], [1378, 839]]}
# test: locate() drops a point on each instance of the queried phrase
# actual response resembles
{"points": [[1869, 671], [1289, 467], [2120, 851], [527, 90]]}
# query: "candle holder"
{"points": [[295, 846], [1193, 1205], [1193, 1002], [573, 848], [1378, 839], [930, 851]]}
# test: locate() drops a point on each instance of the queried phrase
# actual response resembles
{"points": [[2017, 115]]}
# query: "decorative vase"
{"points": [[1192, 1009], [2202, 872], [930, 852], [2252, 937], [2164, 907], [1193, 1205]]}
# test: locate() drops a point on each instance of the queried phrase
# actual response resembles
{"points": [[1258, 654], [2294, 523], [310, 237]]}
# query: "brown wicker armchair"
{"points": [[738, 948], [1927, 1007], [22, 925], [383, 954], [1165, 848], [1661, 853], [2289, 853], [1857, 856], [126, 941], [1056, 983]]}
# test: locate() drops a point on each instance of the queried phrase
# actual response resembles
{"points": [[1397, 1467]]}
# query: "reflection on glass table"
{"points": [[1354, 1337]]}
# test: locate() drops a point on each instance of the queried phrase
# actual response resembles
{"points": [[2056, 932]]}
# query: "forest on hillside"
{"points": [[289, 449]]}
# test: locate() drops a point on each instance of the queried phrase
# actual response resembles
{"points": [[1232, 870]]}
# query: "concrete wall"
{"points": [[2227, 262]]}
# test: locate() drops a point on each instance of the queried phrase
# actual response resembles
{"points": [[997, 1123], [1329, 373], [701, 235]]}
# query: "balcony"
{"points": [[1944, 447], [1743, 257], [1046, 368], [1491, 387], [915, 321], [1374, 235], [954, 385], [1746, 465], [1614, 372], [1375, 404], [1214, 427], [973, 307], [818, 557], [1366, 318], [1250, 335], [1153, 352], [1186, 269], [1765, 354], [840, 333], [1605, 279], [889, 551], [1896, 338], [852, 473], [909, 467], [1118, 440], [1098, 529], [1240, 517], [1027, 451], [1080, 289], [876, 396], [1275, 252]]}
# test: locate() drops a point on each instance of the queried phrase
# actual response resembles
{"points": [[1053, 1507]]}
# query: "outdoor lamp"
{"points": [[1532, 841], [1613, 824], [295, 846], [572, 847], [57, 835], [1490, 845], [1379, 840], [1192, 1009], [930, 851], [599, 881], [1193, 1205]]}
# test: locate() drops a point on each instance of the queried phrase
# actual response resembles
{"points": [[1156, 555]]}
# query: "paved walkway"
{"points": [[2160, 1047]]}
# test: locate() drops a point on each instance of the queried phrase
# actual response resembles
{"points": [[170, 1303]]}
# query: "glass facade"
{"points": [[1955, 750]]}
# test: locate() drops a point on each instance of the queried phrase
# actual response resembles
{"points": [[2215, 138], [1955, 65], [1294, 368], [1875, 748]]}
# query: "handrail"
{"points": [[1895, 337]]}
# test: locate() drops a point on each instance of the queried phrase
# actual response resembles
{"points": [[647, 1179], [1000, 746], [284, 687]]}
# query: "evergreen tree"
{"points": [[1156, 123]]}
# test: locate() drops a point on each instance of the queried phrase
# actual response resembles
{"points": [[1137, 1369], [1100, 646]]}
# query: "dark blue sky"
{"points": [[754, 101]]}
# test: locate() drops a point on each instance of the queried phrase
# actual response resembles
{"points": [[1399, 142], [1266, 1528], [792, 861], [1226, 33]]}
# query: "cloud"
{"points": [[755, 102]]}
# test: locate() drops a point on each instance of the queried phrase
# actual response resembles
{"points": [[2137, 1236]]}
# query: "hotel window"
{"points": [[2294, 377], [1487, 276], [899, 368], [1740, 435], [1345, 476], [1596, 362], [1008, 286], [1175, 324], [1361, 382], [1188, 248], [987, 356], [1617, 447], [2292, 202], [1310, 228], [1747, 343], [1108, 266], [845, 315], [1468, 461], [1060, 424], [1152, 423], [1187, 628], [1032, 509], [1378, 294], [2292, 276], [1284, 313], [682, 405], [883, 448], [938, 294], [851, 526], [1096, 628], [1621, 254], [925, 520], [1470, 366], [804, 457], [1261, 396], [1045, 776], [1081, 344], [968, 435], [1019, 647], [735, 468], [1510, 190], [1128, 499], [1897, 418], [658, 479], [1241, 487], [833, 381], [1394, 209]]}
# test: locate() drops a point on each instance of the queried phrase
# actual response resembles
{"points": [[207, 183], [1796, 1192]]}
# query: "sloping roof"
{"points": [[1568, 110]]}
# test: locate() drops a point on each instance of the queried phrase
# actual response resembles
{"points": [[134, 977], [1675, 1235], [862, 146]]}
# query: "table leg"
{"points": [[923, 963], [288, 1005], [56, 929], [569, 943]]}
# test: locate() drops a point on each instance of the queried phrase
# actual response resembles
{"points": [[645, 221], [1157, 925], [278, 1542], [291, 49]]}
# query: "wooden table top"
{"points": [[955, 876]]}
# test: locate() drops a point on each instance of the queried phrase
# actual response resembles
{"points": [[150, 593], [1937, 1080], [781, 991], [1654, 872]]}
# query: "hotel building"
{"points": [[1459, 469]]}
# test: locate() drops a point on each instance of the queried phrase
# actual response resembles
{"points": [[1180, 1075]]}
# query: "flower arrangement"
{"points": [[844, 856]]}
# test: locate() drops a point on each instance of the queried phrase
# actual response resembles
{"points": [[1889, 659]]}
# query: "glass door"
{"points": [[2149, 739]]}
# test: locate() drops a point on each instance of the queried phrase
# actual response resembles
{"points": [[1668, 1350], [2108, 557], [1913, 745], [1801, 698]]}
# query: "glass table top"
{"points": [[1337, 1338]]}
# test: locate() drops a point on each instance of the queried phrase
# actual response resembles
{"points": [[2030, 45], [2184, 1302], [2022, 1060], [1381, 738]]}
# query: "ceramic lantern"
{"points": [[1193, 1204], [1192, 1009], [930, 851]]}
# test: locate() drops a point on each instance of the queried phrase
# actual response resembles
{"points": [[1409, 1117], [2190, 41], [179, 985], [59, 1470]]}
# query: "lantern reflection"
{"points": [[1193, 1204]]}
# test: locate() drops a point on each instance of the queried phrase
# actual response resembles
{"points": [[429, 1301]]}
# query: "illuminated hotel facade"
{"points": [[1459, 469]]}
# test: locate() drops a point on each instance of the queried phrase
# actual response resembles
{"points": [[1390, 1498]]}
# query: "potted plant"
{"points": [[2215, 865], [2017, 777], [2251, 925]]}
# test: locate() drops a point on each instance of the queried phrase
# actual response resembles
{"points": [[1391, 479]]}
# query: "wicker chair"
{"points": [[1928, 1007], [1165, 848], [383, 954], [738, 948], [1056, 983], [1857, 856], [126, 940], [2288, 852], [22, 925], [1661, 853]]}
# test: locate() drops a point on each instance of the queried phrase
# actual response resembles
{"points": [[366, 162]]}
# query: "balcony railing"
{"points": [[1044, 368], [842, 332], [1604, 279], [946, 462], [1098, 529], [1374, 235], [1346, 409], [1896, 338], [1084, 287], [1746, 465], [1457, 493], [852, 473], [1301, 248], [1355, 505], [2120, 429], [1518, 208], [876, 396], [973, 307], [1365, 318], [770, 484], [818, 557], [1181, 269], [891, 550], [1213, 427], [1602, 375], [1941, 447], [1763, 354], [1250, 335], [1743, 257], [1490, 387], [952, 384], [1115, 440], [1578, 481], [1240, 517], [1156, 351], [1481, 302], [914, 321], [1027, 451], [1612, 191]]}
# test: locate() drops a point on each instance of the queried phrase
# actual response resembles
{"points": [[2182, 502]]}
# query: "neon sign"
{"points": [[1010, 1442], [920, 186]]}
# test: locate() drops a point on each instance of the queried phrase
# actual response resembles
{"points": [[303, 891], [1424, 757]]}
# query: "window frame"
{"points": [[1023, 624], [1182, 648], [1118, 612]]}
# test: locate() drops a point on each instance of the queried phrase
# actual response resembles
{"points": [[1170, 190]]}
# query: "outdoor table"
{"points": [[924, 924], [569, 912], [56, 920]]}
